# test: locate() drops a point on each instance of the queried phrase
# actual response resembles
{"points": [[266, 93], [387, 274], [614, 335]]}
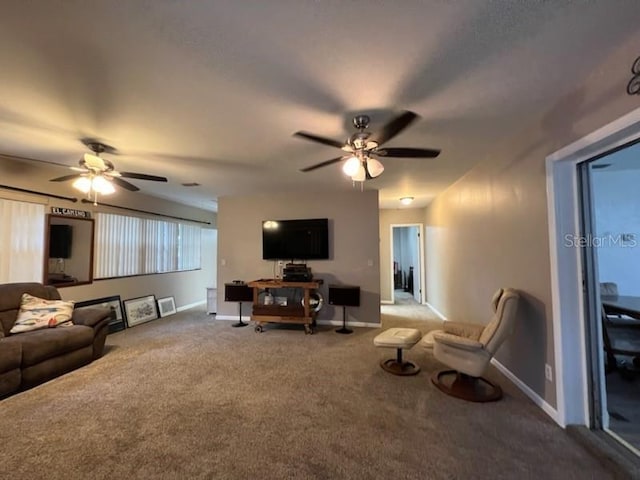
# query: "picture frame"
{"points": [[140, 310], [166, 306], [114, 302]]}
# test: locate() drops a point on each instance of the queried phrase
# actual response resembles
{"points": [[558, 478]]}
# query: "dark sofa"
{"points": [[30, 358]]}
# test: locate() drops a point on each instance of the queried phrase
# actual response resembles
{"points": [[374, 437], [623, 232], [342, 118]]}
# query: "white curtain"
{"points": [[189, 247], [21, 241], [134, 246], [118, 250]]}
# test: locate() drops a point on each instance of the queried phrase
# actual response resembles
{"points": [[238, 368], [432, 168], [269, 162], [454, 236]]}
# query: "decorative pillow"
{"points": [[36, 313]]}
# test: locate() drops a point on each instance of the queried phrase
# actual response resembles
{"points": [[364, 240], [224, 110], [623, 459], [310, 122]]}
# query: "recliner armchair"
{"points": [[468, 348]]}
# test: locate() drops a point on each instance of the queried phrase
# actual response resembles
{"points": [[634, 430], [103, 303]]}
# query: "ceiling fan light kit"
{"points": [[97, 184], [362, 146], [374, 167], [98, 175], [351, 166], [360, 175]]}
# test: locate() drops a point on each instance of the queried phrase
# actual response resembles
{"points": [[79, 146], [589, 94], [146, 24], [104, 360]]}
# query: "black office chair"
{"points": [[610, 289], [620, 342]]}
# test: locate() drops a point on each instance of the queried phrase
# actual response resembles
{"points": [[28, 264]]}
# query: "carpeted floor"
{"points": [[190, 397]]}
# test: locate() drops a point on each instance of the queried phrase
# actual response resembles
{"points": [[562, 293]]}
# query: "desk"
{"points": [[621, 305], [623, 339]]}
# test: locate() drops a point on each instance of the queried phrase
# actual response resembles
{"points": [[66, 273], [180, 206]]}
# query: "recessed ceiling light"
{"points": [[406, 200]]}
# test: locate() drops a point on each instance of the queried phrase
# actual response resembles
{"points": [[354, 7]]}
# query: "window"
{"points": [[128, 246], [22, 241]]}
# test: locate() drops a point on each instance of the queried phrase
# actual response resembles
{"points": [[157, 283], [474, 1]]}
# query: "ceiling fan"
{"points": [[363, 146], [97, 175]]}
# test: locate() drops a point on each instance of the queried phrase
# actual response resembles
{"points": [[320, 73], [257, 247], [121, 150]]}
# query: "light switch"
{"points": [[370, 262], [223, 262]]}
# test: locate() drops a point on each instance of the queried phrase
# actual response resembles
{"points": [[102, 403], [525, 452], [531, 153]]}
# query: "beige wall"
{"points": [[186, 287], [353, 236], [490, 229], [388, 217]]}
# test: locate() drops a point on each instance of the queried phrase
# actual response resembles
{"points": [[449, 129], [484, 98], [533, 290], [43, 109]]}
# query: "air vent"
{"points": [[192, 184]]}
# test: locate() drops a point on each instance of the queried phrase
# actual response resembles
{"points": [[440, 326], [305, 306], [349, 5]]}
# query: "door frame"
{"points": [[420, 227], [568, 300]]}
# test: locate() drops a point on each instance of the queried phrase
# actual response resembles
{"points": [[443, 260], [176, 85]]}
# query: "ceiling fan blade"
{"points": [[322, 164], [394, 127], [316, 138], [66, 177], [124, 184], [407, 152], [143, 176]]}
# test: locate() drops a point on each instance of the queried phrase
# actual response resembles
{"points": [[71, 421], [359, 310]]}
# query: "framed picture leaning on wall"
{"points": [[166, 306], [140, 310], [114, 303]]}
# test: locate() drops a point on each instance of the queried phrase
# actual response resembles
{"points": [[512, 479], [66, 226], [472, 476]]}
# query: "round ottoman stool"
{"points": [[400, 339]]}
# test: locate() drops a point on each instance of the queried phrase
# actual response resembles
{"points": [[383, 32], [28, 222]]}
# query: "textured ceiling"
{"points": [[212, 92]]}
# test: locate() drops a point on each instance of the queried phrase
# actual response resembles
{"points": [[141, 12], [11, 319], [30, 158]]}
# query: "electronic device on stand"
{"points": [[296, 272], [346, 296], [238, 291]]}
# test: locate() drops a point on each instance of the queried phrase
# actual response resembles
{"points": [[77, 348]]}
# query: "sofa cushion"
{"points": [[7, 319], [39, 345], [10, 355], [36, 313]]}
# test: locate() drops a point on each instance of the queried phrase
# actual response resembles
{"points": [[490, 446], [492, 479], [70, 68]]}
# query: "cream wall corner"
{"points": [[353, 236]]}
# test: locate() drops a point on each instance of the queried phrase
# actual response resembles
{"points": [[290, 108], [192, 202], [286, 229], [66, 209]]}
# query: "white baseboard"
{"points": [[436, 311], [338, 323], [190, 305], [535, 398], [233, 318], [386, 302]]}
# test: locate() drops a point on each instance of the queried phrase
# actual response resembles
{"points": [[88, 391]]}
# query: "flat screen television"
{"points": [[60, 237], [304, 239]]}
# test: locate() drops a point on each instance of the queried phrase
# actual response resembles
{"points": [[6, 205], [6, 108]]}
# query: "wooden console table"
{"points": [[301, 314]]}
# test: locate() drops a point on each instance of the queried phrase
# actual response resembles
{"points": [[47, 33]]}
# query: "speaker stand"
{"points": [[240, 323], [344, 328]]}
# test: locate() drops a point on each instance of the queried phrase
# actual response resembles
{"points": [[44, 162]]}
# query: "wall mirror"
{"points": [[68, 251]]}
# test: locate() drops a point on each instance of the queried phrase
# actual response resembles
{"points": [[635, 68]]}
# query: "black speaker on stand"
{"points": [[238, 292], [346, 296]]}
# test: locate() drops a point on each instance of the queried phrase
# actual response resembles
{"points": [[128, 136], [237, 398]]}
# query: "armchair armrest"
{"points": [[457, 341], [91, 316], [467, 330]]}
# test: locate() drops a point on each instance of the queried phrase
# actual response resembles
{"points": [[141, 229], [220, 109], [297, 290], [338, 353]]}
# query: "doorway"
{"points": [[571, 339], [407, 260], [610, 213]]}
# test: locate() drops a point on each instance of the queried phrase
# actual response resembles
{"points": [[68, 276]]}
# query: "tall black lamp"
{"points": [[346, 296], [238, 292]]}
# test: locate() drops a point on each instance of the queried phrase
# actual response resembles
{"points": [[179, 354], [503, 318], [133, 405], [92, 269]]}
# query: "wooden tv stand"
{"points": [[300, 314]]}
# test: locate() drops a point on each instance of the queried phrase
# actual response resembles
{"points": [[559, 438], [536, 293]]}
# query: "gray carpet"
{"points": [[190, 397]]}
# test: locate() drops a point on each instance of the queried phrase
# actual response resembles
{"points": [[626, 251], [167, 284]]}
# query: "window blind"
{"points": [[22, 241], [128, 246]]}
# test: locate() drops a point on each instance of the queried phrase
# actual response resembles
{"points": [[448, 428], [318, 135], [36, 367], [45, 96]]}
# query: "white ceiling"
{"points": [[212, 92]]}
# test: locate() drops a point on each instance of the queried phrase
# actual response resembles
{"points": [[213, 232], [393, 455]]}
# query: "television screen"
{"points": [[295, 239], [60, 241]]}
